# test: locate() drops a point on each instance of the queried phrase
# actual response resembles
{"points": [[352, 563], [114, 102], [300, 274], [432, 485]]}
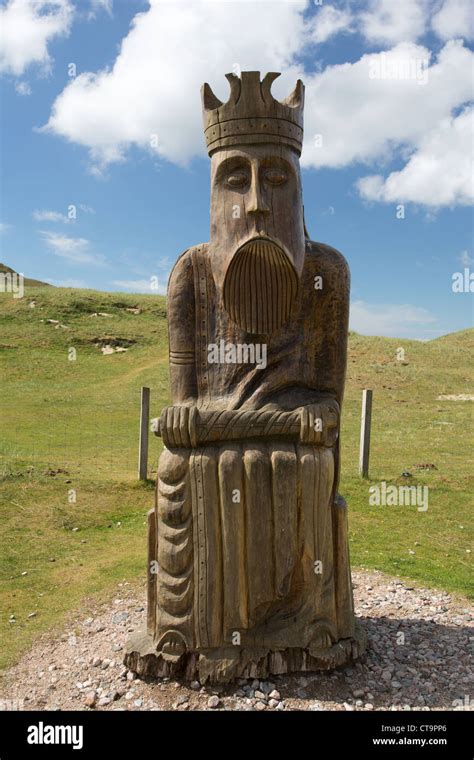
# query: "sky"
{"points": [[105, 177]]}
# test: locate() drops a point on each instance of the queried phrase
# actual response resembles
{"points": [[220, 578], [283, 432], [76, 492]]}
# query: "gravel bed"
{"points": [[418, 658]]}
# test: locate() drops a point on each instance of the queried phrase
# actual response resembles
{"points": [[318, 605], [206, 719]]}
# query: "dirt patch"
{"points": [[114, 341], [456, 397]]}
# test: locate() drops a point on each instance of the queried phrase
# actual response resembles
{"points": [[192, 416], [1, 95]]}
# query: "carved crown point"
{"points": [[251, 114]]}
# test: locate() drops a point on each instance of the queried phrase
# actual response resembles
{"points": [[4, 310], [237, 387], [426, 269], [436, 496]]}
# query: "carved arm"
{"points": [[185, 427]]}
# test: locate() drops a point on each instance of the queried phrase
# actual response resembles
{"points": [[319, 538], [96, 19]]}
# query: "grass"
{"points": [[73, 515]]}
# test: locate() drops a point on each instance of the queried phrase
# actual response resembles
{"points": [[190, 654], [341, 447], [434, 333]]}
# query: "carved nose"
{"points": [[257, 203]]}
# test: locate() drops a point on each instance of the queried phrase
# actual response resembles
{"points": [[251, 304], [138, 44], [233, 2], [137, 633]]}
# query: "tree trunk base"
{"points": [[226, 664]]}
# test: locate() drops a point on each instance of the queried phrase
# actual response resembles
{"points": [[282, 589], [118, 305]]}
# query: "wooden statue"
{"points": [[248, 550]]}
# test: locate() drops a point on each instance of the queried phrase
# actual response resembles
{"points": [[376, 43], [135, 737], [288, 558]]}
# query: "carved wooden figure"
{"points": [[248, 549]]}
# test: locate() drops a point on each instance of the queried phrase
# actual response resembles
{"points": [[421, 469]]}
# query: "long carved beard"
{"points": [[260, 287]]}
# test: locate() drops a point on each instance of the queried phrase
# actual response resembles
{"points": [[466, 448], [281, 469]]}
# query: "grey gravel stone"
{"points": [[120, 617]]}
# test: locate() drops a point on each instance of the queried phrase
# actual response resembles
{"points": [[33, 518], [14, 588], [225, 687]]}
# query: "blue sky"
{"points": [[387, 124]]}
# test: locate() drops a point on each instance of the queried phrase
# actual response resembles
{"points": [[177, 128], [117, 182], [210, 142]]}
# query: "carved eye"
{"points": [[275, 176], [237, 179]]}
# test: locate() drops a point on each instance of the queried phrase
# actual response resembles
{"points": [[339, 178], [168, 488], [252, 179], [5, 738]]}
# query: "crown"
{"points": [[252, 115]]}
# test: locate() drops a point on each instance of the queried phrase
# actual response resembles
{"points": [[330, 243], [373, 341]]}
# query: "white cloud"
{"points": [[100, 5], [46, 215], [149, 94], [76, 250], [439, 173], [465, 259], [23, 88], [454, 19], [49, 216], [28, 26], [86, 209], [68, 283], [393, 21], [151, 91], [4, 227], [329, 21], [363, 118], [141, 286], [388, 22], [392, 320]]}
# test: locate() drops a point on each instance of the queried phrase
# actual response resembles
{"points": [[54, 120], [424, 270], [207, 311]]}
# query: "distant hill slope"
{"points": [[28, 282]]}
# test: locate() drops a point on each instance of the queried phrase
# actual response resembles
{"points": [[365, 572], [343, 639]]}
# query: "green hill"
{"points": [[28, 282], [73, 514]]}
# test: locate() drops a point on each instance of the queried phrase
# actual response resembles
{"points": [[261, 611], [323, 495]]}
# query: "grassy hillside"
{"points": [[5, 270], [72, 515]]}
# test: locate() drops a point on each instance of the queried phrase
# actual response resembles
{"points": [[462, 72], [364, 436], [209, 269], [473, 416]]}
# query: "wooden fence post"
{"points": [[365, 423], [143, 444]]}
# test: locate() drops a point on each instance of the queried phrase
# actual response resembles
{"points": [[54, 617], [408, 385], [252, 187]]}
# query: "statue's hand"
{"points": [[320, 424], [178, 426]]}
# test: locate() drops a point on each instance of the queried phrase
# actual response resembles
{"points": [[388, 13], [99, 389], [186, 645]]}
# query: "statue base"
{"points": [[226, 664]]}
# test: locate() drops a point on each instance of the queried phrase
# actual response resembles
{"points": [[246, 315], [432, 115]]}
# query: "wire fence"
{"points": [[94, 439]]}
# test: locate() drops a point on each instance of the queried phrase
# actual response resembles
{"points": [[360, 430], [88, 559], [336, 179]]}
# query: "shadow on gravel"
{"points": [[410, 661]]}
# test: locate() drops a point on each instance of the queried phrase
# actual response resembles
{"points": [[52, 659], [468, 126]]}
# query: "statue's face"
{"points": [[256, 192], [257, 238]]}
